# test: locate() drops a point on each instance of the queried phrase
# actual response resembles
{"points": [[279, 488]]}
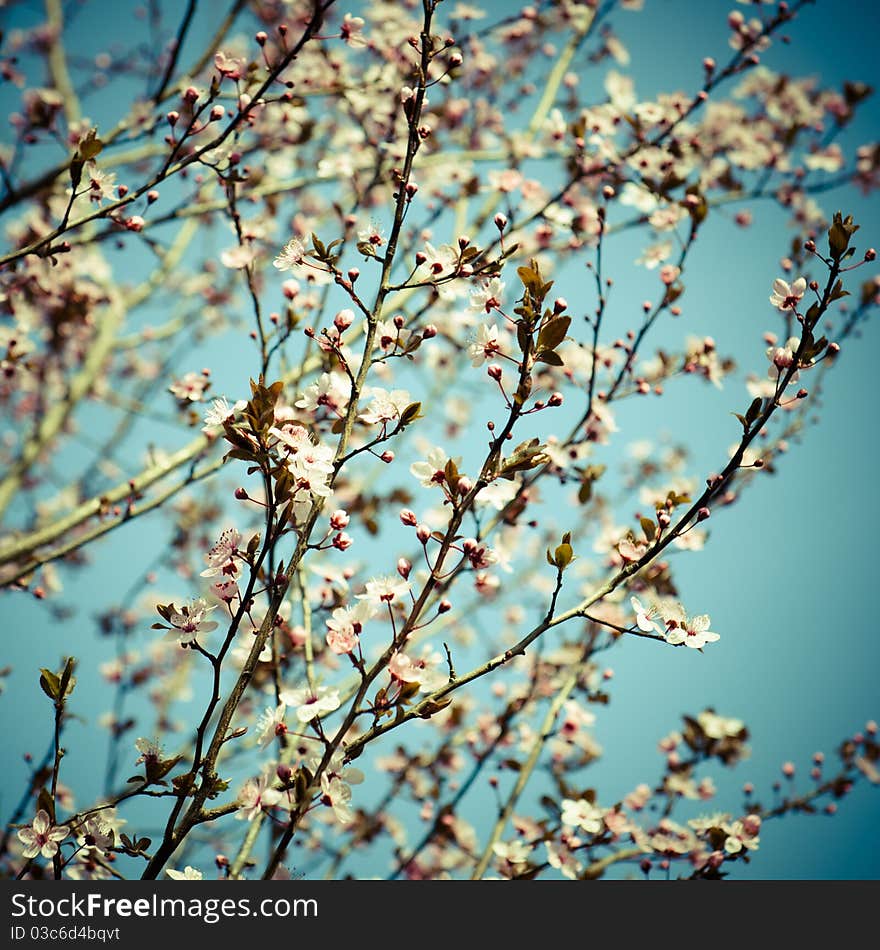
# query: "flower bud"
{"points": [[343, 320], [404, 567], [339, 520], [408, 517], [342, 541], [423, 532]]}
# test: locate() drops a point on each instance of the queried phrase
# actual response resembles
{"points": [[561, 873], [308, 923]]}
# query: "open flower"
{"points": [[41, 836], [786, 296], [643, 616], [693, 632], [189, 873], [189, 621], [310, 703], [485, 346]]}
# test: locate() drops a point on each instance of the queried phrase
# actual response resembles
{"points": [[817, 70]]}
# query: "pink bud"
{"points": [[429, 332], [172, 118], [387, 456], [703, 514], [788, 769], [870, 254], [217, 113], [404, 567], [342, 541], [444, 607], [494, 371], [423, 532], [343, 320], [241, 494], [339, 520], [500, 221], [555, 400], [408, 517]]}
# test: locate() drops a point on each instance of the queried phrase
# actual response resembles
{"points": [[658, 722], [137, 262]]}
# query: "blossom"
{"points": [[336, 780], [385, 406], [189, 388], [41, 836], [719, 727], [385, 589], [221, 556], [96, 832], [190, 620], [232, 66], [563, 859], [311, 703], [332, 390], [432, 471], [487, 297], [426, 670], [311, 463], [150, 751], [352, 30], [254, 795], [345, 625], [189, 873], [513, 852], [786, 296], [643, 616], [693, 632], [238, 256], [219, 412], [743, 835], [580, 813], [270, 724], [485, 346], [292, 254]]}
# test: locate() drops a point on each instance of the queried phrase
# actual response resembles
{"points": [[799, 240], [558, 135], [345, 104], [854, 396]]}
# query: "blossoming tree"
{"points": [[387, 542]]}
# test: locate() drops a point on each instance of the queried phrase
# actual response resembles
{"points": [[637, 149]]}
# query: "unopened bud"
{"points": [[500, 221], [342, 541], [423, 532], [339, 520], [408, 517], [494, 371], [444, 607], [703, 514], [387, 456], [343, 320]]}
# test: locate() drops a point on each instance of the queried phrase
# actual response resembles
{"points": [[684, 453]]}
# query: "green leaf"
{"points": [[553, 333], [649, 528], [410, 414], [549, 357], [50, 684]]}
